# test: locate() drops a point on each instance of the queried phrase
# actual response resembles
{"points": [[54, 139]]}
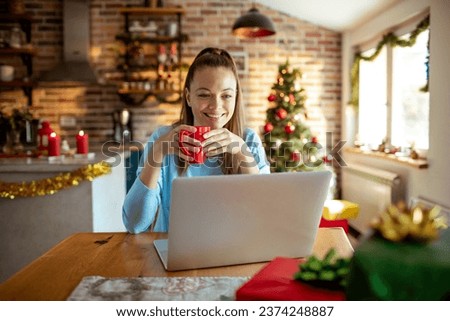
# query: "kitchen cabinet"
{"points": [[30, 226], [151, 61], [23, 50]]}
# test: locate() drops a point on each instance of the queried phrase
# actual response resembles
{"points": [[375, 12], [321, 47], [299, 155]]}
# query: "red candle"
{"points": [[54, 145], [82, 143]]}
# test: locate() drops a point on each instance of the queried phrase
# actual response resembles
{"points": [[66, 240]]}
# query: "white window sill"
{"points": [[416, 163]]}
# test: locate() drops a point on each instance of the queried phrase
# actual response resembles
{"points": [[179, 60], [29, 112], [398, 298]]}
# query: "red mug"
{"points": [[198, 157]]}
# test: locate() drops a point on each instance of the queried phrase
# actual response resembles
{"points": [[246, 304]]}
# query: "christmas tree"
{"points": [[289, 143]]}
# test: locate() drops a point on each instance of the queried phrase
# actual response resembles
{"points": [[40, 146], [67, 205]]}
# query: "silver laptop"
{"points": [[237, 219]]}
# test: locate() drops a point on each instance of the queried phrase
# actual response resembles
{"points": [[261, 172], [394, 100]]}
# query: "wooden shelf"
{"points": [[18, 51], [417, 163], [145, 67], [9, 17], [127, 38], [149, 92], [134, 96], [152, 11], [137, 68], [17, 83], [26, 86], [25, 53]]}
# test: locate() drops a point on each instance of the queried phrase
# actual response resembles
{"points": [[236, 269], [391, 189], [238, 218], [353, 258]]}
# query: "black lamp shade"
{"points": [[253, 25]]}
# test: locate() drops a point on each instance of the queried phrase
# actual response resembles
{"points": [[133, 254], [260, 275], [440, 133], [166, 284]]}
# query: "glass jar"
{"points": [[137, 54], [16, 38]]}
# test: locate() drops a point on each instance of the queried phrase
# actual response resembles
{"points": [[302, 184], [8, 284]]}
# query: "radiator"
{"points": [[372, 189]]}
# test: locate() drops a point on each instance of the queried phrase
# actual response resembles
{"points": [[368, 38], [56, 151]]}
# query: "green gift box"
{"points": [[406, 271]]}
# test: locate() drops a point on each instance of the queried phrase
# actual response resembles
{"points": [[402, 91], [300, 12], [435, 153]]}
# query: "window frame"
{"points": [[399, 31]]}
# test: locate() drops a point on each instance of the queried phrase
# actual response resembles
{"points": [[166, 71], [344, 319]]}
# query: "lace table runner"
{"points": [[97, 288]]}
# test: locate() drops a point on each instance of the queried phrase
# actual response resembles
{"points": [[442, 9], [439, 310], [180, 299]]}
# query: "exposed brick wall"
{"points": [[315, 50]]}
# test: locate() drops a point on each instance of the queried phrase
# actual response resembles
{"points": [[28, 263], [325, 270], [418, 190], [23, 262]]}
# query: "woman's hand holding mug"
{"points": [[190, 144]]}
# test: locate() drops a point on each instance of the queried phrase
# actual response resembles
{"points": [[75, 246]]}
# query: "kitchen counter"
{"points": [[29, 226], [28, 164], [60, 163]]}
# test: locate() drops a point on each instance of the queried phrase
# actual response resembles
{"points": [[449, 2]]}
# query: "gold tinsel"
{"points": [[399, 223], [49, 186]]}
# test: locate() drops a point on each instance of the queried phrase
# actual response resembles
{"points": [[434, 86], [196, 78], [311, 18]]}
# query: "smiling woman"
{"points": [[211, 98]]}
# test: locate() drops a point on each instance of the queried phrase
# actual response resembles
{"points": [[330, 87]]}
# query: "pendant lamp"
{"points": [[253, 25]]}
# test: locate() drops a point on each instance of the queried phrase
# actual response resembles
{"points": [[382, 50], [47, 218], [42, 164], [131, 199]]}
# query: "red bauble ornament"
{"points": [[271, 97], [268, 127], [291, 99], [296, 156], [314, 140], [289, 129], [281, 113], [327, 159]]}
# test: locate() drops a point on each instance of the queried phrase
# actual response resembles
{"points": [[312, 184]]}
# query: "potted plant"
{"points": [[18, 129]]}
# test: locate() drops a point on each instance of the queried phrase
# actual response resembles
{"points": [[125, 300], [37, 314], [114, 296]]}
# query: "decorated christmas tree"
{"points": [[289, 143]]}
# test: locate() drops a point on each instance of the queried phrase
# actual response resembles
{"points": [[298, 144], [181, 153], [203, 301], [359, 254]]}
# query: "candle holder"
{"points": [[56, 159], [84, 156]]}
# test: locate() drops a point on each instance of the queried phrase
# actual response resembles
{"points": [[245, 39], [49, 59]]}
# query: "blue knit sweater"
{"points": [[142, 203]]}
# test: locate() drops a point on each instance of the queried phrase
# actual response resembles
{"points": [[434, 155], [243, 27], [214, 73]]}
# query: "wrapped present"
{"points": [[386, 270], [336, 213], [275, 282], [340, 210], [334, 223]]}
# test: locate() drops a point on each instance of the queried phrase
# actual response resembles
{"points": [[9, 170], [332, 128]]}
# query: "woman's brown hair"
{"points": [[215, 58]]}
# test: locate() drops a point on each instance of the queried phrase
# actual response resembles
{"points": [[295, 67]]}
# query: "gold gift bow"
{"points": [[398, 223]]}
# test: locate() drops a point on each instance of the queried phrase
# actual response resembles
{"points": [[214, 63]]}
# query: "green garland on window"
{"points": [[388, 39]]}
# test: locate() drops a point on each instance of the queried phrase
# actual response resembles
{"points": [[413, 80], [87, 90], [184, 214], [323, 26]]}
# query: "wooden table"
{"points": [[54, 275]]}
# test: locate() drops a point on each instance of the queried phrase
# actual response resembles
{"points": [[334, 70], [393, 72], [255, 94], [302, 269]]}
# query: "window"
{"points": [[410, 105], [372, 99], [392, 106]]}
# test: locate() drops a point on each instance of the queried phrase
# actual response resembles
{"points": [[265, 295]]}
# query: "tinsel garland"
{"points": [[52, 185], [388, 39]]}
